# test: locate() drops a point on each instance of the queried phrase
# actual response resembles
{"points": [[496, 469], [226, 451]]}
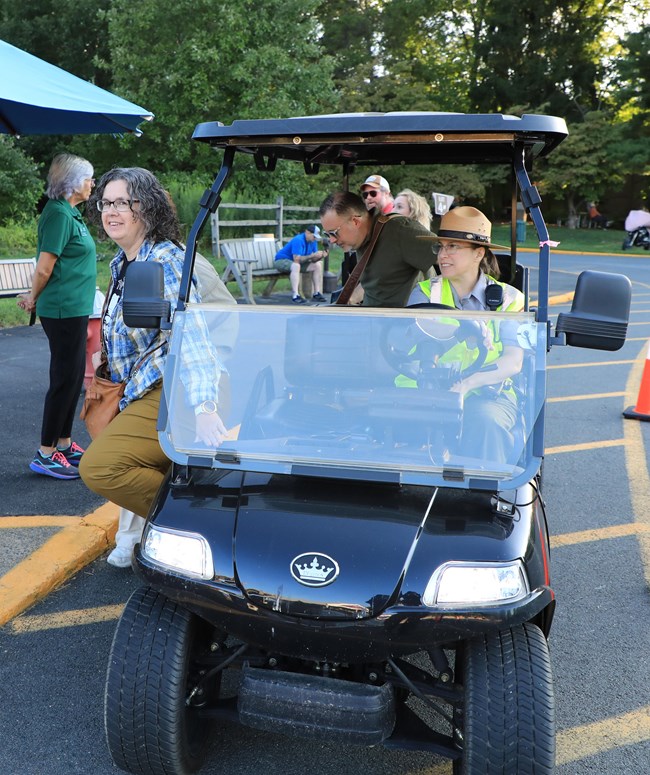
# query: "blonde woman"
{"points": [[416, 207], [413, 206]]}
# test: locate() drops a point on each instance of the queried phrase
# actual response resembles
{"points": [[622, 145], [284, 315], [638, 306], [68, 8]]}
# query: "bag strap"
{"points": [[103, 364], [355, 274]]}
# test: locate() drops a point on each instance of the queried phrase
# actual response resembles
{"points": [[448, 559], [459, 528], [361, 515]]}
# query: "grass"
{"points": [[580, 240]]}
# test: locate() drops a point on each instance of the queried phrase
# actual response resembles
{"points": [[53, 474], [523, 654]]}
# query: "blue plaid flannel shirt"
{"points": [[200, 365]]}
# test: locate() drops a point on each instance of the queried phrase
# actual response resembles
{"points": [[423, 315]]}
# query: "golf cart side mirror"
{"points": [[599, 313], [143, 303]]}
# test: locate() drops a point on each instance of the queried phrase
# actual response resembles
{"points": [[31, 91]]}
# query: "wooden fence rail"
{"points": [[280, 221]]}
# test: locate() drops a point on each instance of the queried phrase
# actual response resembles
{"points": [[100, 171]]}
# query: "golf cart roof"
{"points": [[378, 139]]}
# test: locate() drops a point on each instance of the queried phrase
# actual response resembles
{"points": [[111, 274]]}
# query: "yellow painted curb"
{"points": [[63, 555], [561, 299]]}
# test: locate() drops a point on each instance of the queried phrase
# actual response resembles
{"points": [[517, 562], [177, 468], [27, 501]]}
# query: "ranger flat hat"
{"points": [[466, 224]]}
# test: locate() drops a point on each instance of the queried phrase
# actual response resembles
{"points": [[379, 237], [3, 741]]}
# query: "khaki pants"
{"points": [[125, 463]]}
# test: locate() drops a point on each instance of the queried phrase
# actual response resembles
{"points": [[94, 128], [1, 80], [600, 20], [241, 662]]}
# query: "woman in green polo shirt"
{"points": [[62, 294]]}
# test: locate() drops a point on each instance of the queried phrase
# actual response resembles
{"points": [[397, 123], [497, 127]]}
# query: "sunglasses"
{"points": [[334, 233], [373, 192]]}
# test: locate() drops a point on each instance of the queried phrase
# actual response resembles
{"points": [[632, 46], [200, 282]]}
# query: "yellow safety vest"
{"points": [[439, 291]]}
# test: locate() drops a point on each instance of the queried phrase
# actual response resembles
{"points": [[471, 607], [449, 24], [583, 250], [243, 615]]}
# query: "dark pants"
{"points": [[488, 420], [347, 265], [67, 340]]}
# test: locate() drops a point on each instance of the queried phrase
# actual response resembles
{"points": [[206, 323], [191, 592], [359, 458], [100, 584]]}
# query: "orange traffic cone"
{"points": [[642, 409]]}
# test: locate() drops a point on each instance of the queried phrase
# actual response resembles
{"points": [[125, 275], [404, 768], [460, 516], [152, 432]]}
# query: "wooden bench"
{"points": [[16, 276], [249, 259]]}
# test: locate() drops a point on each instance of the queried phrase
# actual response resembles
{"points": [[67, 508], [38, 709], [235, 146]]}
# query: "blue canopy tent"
{"points": [[37, 98]]}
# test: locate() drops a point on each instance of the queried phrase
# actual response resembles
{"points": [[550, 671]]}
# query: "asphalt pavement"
{"points": [[57, 526], [49, 528], [53, 659]]}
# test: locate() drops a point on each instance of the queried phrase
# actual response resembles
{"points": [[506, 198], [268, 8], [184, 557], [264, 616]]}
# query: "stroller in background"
{"points": [[637, 226]]}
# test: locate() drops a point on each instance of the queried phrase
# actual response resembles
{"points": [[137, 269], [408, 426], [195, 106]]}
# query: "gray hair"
{"points": [[67, 175]]}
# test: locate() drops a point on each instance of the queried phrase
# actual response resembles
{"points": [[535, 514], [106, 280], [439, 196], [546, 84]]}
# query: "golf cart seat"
{"points": [[514, 275], [328, 353]]}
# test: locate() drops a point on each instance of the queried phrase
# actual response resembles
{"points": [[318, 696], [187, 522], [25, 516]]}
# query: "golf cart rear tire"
{"points": [[149, 728], [509, 716]]}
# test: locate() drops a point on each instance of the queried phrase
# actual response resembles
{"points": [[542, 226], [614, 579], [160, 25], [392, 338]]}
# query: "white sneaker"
{"points": [[120, 557]]}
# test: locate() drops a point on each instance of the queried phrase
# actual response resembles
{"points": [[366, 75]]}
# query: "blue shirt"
{"points": [[298, 246], [200, 366]]}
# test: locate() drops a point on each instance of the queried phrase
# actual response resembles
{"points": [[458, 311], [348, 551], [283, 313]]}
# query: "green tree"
{"points": [[547, 53], [20, 184], [66, 33], [631, 78], [584, 165], [190, 61]]}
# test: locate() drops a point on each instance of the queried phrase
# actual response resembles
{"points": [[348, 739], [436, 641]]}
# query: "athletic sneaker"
{"points": [[72, 453], [55, 465], [297, 300], [120, 557], [318, 297]]}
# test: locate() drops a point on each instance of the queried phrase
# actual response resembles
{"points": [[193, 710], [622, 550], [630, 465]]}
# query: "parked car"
{"points": [[348, 566]]}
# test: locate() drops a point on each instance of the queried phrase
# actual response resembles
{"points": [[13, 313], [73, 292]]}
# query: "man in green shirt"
{"points": [[398, 256]]}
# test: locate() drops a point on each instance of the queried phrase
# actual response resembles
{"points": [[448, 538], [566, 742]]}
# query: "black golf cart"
{"points": [[350, 565]]}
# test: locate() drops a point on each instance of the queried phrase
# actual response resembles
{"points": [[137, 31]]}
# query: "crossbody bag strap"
{"points": [[355, 275], [104, 357]]}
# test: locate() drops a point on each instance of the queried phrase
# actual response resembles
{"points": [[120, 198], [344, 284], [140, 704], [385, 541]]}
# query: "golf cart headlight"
{"points": [[185, 552], [486, 583]]}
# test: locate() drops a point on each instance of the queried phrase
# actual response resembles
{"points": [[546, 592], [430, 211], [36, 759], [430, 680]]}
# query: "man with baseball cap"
{"points": [[301, 255], [376, 195]]}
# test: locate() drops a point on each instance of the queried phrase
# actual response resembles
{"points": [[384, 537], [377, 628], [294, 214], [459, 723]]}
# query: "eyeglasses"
{"points": [[92, 182], [373, 192], [452, 248], [121, 205]]}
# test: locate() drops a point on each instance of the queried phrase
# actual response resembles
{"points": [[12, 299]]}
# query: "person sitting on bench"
{"points": [[301, 255]]}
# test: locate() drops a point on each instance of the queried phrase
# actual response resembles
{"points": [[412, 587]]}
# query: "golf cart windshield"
{"points": [[361, 393]]}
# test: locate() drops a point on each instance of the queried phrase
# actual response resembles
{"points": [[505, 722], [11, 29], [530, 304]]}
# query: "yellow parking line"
{"points": [[585, 397], [592, 363], [45, 521], [73, 618], [600, 444], [564, 298], [636, 464], [577, 743], [598, 534]]}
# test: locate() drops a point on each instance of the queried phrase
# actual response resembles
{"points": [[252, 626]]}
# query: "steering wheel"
{"points": [[406, 345]]}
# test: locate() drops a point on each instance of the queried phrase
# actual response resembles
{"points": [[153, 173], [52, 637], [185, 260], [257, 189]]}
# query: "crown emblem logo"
{"points": [[314, 569]]}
